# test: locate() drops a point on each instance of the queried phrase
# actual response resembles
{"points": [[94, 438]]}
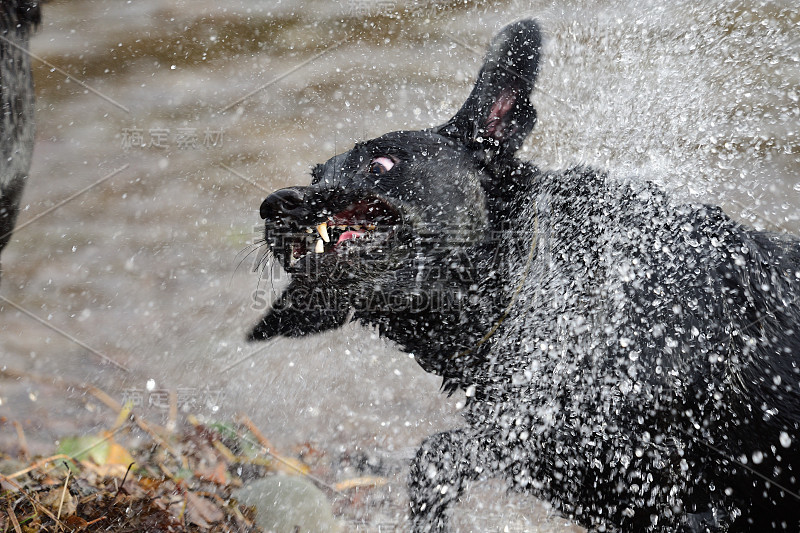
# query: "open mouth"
{"points": [[370, 221]]}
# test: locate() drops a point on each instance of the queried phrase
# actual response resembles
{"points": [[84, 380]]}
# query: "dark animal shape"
{"points": [[17, 19], [634, 362]]}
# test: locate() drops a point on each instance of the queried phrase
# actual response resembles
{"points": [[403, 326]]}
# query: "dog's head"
{"points": [[382, 217]]}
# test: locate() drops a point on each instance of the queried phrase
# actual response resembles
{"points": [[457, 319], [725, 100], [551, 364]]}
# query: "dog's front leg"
{"points": [[444, 464]]}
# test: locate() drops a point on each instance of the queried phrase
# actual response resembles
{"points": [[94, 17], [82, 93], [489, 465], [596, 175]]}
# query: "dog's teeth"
{"points": [[322, 229], [341, 227], [319, 247], [371, 227], [309, 230]]}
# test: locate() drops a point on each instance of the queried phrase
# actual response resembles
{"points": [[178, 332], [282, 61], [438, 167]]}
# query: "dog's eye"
{"points": [[380, 165]]}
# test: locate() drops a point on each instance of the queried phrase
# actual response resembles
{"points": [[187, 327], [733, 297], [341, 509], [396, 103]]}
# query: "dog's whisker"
{"points": [[249, 247], [248, 254]]}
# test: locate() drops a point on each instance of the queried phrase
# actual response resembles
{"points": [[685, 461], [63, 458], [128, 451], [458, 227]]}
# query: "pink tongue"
{"points": [[349, 234]]}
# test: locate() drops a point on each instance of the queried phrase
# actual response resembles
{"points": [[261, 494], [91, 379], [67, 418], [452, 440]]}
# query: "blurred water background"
{"points": [[178, 117]]}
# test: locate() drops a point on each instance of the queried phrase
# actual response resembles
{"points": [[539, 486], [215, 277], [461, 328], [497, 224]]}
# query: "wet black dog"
{"points": [[17, 19], [634, 362]]}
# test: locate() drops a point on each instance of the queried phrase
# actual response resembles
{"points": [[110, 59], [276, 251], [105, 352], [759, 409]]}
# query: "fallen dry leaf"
{"points": [[217, 474], [202, 511], [52, 499]]}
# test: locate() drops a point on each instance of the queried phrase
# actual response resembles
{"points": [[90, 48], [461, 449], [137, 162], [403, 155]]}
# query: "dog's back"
{"points": [[651, 370], [17, 20]]}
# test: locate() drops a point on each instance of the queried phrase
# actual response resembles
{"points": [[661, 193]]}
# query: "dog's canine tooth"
{"points": [[319, 247], [322, 229]]}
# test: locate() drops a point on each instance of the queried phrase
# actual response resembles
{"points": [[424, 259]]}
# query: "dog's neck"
{"points": [[447, 324]]}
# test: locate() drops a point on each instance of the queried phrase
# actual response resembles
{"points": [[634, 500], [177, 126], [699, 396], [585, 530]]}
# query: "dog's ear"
{"points": [[498, 114], [299, 311]]}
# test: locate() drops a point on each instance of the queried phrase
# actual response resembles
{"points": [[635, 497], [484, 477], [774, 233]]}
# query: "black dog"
{"points": [[17, 18], [634, 362]]}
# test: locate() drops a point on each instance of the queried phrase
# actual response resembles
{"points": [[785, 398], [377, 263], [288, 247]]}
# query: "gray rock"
{"points": [[287, 504]]}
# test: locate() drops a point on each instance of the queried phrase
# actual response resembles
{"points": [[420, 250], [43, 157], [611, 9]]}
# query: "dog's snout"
{"points": [[283, 203]]}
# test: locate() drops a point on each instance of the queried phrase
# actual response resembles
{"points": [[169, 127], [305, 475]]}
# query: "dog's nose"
{"points": [[283, 203]]}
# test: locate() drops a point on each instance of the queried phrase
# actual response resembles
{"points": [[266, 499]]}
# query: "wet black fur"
{"points": [[630, 360], [17, 20]]}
